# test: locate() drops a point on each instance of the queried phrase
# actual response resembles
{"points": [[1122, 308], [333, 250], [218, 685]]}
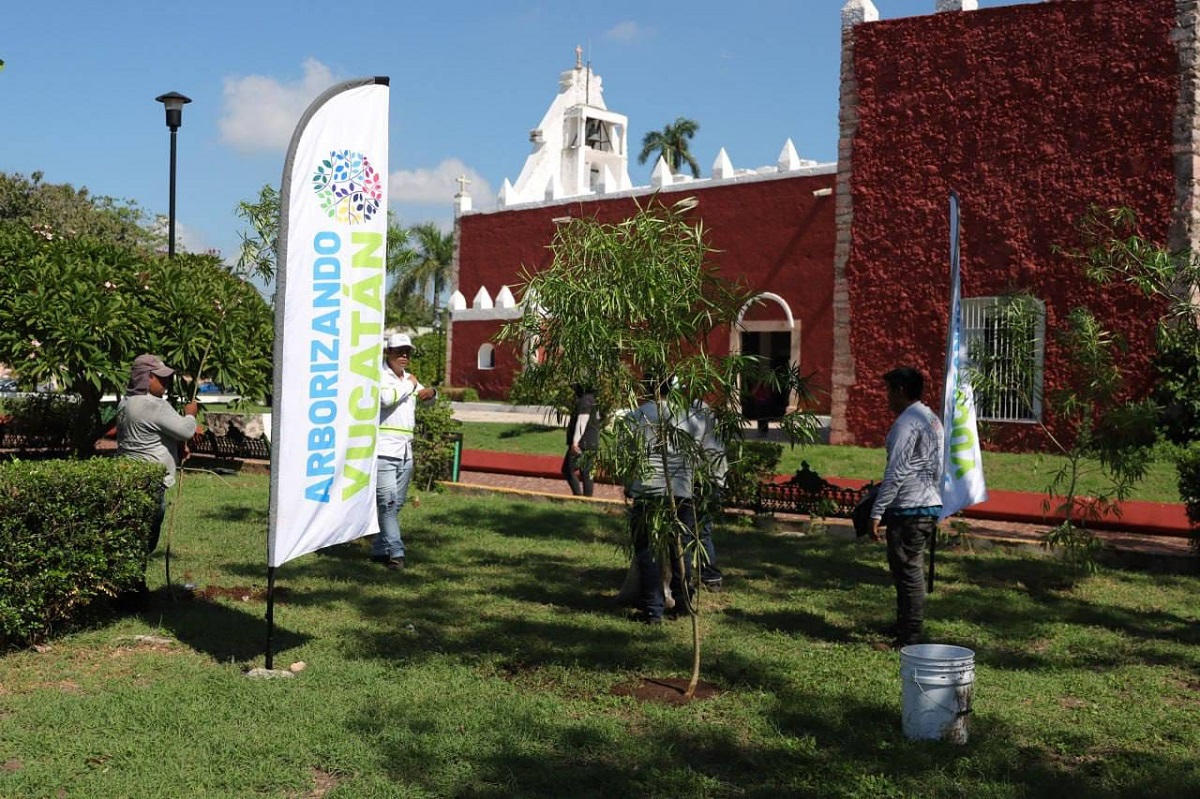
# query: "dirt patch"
{"points": [[323, 783], [666, 691], [12, 765], [240, 593]]}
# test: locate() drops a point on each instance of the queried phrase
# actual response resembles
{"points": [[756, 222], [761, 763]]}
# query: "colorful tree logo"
{"points": [[348, 187]]}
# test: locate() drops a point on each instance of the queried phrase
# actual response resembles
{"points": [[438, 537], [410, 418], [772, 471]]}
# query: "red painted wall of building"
{"points": [[774, 234], [1032, 113]]}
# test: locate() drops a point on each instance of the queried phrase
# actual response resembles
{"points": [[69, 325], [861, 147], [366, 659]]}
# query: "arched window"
{"points": [[486, 359]]}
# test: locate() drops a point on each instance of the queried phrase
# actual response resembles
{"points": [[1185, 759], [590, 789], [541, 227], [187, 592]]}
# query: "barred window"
{"points": [[1005, 346]]}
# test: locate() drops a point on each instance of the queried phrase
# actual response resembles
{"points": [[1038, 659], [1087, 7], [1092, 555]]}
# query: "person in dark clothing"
{"points": [[583, 434], [909, 501]]}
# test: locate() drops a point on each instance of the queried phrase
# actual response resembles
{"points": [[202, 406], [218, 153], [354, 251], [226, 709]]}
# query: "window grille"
{"points": [[1005, 352]]}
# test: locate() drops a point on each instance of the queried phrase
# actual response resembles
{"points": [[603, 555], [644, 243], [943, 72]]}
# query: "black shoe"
{"points": [[645, 618], [712, 585], [395, 564]]}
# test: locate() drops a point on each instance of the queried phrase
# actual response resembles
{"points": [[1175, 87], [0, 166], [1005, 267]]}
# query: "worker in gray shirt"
{"points": [[909, 502], [149, 429]]}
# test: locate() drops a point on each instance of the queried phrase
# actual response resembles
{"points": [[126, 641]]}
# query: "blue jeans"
{"points": [[393, 476]]}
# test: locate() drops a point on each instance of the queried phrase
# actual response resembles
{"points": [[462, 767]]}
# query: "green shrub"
{"points": [[750, 463], [39, 422], [433, 445], [460, 394], [70, 531], [1188, 467]]}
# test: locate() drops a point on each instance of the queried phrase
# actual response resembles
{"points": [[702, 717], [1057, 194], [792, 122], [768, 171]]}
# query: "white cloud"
{"points": [[436, 185], [260, 113], [187, 238], [190, 239], [627, 31]]}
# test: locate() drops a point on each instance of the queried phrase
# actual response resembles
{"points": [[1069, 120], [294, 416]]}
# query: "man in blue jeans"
{"points": [[910, 499], [399, 393], [663, 495]]}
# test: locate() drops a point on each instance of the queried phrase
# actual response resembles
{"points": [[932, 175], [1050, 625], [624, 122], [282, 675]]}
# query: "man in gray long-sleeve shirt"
{"points": [[909, 500], [149, 429]]}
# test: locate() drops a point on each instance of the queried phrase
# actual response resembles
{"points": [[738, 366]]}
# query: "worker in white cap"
{"points": [[399, 393]]}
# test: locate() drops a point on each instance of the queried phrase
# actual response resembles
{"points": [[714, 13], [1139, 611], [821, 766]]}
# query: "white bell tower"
{"points": [[579, 148]]}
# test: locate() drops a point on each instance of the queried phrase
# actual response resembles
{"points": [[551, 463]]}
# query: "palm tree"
{"points": [[672, 144], [421, 262]]}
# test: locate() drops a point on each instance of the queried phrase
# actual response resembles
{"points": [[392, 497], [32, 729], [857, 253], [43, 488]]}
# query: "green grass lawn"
{"points": [[488, 670], [1004, 470]]}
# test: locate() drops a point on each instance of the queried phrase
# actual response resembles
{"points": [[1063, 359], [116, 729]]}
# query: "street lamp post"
{"points": [[173, 102], [441, 341]]}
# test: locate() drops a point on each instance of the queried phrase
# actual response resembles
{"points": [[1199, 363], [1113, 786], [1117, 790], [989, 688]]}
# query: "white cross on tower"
{"points": [[462, 181]]}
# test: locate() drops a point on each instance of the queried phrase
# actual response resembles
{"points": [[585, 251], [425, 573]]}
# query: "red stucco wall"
{"points": [[774, 234], [1032, 113], [493, 383]]}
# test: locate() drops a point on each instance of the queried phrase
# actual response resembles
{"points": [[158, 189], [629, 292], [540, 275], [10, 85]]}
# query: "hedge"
{"points": [[70, 532]]}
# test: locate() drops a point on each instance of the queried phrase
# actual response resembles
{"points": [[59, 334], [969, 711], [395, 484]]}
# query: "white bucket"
{"points": [[937, 683]]}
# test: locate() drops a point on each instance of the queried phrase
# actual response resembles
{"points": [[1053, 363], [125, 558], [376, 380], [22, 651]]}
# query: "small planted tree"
{"points": [[621, 302], [1098, 430], [1118, 251]]}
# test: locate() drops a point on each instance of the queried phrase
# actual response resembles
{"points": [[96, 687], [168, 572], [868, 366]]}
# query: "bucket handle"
{"points": [[956, 713]]}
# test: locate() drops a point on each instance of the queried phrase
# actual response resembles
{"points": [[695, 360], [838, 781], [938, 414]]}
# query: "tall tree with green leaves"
{"points": [[1117, 250], [258, 256], [59, 210], [623, 301], [259, 253], [77, 311], [672, 144]]}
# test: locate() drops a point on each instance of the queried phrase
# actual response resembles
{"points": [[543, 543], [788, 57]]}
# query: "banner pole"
{"points": [[932, 550], [270, 616]]}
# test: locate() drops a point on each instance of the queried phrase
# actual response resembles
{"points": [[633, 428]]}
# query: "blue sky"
{"points": [[469, 80]]}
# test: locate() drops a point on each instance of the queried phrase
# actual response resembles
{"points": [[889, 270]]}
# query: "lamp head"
{"points": [[173, 102]]}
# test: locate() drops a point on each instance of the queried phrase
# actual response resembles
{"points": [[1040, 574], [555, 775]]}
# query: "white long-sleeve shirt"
{"points": [[397, 414], [913, 478]]}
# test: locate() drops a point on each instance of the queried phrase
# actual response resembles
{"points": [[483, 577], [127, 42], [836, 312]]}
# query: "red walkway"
{"points": [[1147, 518]]}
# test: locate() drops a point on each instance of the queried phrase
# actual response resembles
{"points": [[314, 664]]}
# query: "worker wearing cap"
{"points": [[399, 393], [149, 429]]}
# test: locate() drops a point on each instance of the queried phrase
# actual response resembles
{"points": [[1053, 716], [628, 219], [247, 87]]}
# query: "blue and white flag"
{"points": [[329, 289], [962, 476]]}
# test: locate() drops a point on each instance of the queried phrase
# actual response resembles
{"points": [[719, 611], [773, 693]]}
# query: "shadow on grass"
{"points": [[217, 629], [525, 429], [825, 746], [234, 513], [502, 578], [501, 589]]}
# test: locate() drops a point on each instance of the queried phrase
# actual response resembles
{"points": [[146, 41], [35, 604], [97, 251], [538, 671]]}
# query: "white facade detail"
{"points": [[505, 298], [789, 159], [580, 148], [661, 176], [856, 12], [722, 167], [482, 299], [483, 308], [574, 143], [956, 5]]}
